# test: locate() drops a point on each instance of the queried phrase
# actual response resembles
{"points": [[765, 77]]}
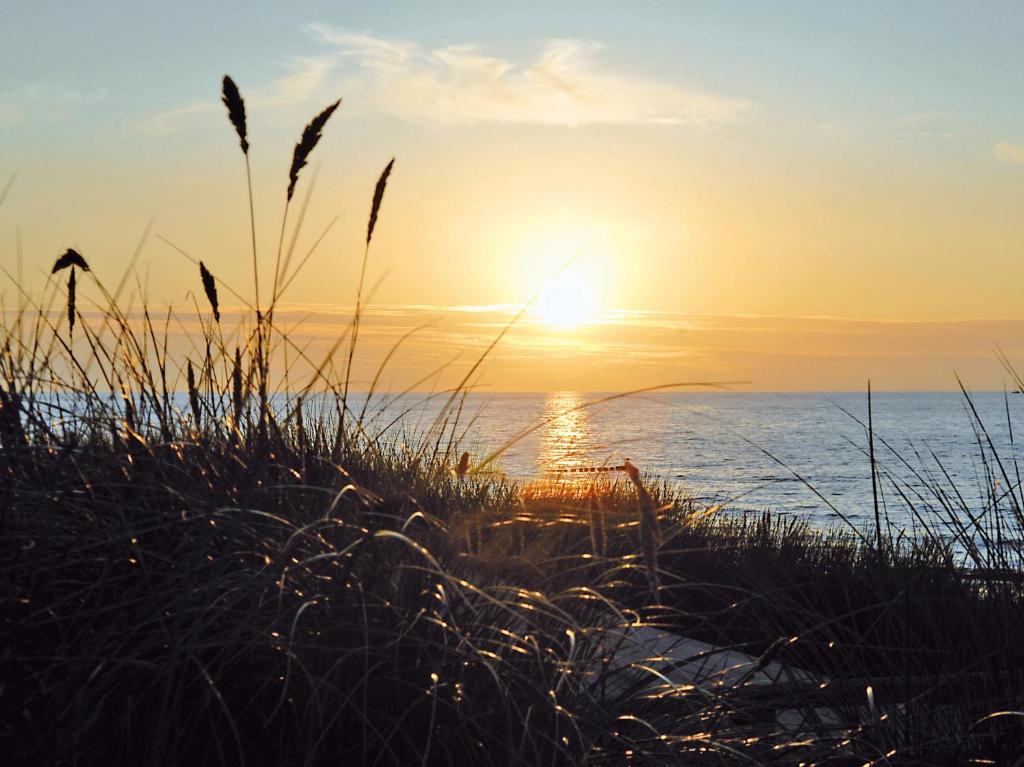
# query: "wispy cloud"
{"points": [[165, 122], [564, 84], [44, 101], [1007, 151], [304, 77], [930, 125], [629, 349]]}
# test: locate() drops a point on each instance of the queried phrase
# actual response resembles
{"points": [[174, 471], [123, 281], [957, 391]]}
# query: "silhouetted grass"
{"points": [[194, 570]]}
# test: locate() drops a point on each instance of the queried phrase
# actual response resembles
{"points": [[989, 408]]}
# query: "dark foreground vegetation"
{"points": [[229, 576]]}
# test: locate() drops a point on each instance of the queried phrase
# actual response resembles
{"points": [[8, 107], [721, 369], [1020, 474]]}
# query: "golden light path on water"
{"points": [[567, 440]]}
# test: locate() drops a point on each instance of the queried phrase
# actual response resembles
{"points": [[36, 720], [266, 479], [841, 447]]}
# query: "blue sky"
{"points": [[856, 60]]}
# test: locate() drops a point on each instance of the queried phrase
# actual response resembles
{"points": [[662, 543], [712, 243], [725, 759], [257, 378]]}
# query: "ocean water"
{"points": [[749, 451]]}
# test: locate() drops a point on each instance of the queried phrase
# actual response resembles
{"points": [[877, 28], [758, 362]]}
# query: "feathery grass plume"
{"points": [[210, 287], [378, 195], [463, 467], [71, 301], [650, 535], [308, 142], [193, 394], [71, 257], [236, 111]]}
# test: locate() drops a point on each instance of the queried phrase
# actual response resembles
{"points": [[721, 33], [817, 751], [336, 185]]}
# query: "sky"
{"points": [[798, 195]]}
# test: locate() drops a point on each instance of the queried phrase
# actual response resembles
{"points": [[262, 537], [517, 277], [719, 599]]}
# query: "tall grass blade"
{"points": [[378, 196], [874, 474], [237, 394], [650, 535], [7, 188]]}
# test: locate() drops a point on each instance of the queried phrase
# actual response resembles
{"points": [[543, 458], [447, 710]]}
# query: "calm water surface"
{"points": [[716, 445]]}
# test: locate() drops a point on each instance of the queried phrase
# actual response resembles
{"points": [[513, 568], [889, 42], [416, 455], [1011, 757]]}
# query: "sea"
{"points": [[805, 454]]}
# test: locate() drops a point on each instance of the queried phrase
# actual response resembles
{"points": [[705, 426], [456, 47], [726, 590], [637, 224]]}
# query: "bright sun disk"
{"points": [[566, 302]]}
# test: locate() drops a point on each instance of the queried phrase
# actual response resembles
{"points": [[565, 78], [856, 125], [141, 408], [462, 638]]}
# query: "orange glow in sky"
{"points": [[731, 201]]}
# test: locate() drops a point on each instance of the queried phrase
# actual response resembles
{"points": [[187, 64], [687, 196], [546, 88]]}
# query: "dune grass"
{"points": [[198, 567]]}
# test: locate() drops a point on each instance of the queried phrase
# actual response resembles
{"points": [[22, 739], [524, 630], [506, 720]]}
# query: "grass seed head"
{"points": [[193, 394], [310, 138], [71, 257], [378, 196], [236, 111], [210, 288]]}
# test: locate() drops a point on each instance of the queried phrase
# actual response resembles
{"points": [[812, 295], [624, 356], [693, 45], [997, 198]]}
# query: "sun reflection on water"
{"points": [[568, 440]]}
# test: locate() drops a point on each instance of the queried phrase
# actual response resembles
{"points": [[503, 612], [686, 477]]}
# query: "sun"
{"points": [[570, 264], [566, 302]]}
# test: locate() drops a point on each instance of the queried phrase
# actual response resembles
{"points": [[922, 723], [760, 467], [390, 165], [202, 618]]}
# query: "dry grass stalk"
{"points": [[310, 138], [210, 288], [300, 428], [378, 196], [131, 426], [237, 395], [71, 257], [71, 301], [236, 111], [262, 367]]}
